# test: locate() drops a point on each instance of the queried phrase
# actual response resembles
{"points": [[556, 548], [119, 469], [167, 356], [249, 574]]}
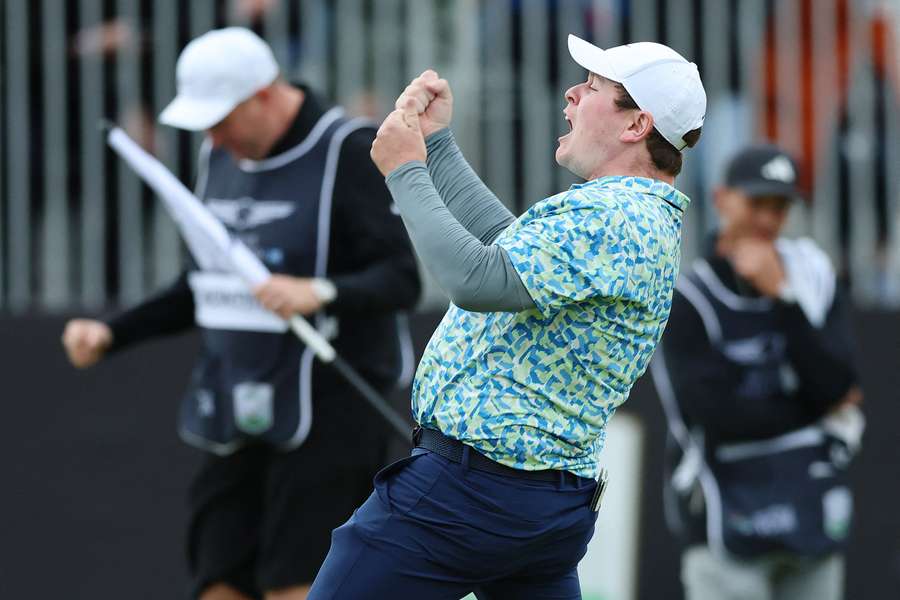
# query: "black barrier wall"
{"points": [[95, 476]]}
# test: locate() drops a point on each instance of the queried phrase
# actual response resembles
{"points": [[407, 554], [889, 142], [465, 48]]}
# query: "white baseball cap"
{"points": [[214, 73], [661, 82]]}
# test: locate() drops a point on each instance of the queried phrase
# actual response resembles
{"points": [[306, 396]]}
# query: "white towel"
{"points": [[809, 276]]}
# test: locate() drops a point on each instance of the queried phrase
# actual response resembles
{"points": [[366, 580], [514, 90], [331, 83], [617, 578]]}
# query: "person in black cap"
{"points": [[757, 381]]}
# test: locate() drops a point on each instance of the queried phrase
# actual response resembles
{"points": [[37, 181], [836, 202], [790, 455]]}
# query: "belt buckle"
{"points": [[416, 435]]}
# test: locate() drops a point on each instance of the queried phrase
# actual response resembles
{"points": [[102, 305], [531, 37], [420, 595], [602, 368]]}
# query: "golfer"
{"points": [[554, 315]]}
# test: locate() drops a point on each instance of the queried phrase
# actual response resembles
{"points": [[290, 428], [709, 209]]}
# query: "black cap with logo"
{"points": [[763, 170]]}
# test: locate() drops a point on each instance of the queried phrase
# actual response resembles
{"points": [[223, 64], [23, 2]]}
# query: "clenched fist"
{"points": [[86, 341], [399, 139], [434, 101]]}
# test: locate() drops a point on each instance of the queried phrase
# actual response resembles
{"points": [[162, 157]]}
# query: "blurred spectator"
{"points": [[251, 12], [103, 42]]}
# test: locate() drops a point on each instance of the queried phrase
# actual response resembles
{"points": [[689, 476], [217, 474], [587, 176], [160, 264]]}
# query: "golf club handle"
{"points": [[313, 339]]}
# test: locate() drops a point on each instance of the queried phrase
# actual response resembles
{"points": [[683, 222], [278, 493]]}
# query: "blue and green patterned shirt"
{"points": [[534, 390]]}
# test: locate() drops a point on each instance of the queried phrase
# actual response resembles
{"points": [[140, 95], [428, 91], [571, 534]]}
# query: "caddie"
{"points": [[291, 446]]}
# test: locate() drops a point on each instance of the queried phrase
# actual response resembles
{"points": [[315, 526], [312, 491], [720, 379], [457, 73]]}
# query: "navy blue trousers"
{"points": [[434, 529]]}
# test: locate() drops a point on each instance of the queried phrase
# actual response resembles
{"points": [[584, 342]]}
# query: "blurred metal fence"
{"points": [[79, 232]]}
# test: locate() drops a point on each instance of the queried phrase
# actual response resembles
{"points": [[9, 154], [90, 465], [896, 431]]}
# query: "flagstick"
{"points": [[203, 233]]}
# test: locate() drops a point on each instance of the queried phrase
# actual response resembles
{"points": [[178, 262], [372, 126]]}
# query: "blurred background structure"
{"points": [[79, 233], [820, 77]]}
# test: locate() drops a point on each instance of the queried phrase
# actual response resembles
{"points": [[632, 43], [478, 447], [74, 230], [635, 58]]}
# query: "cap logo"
{"points": [[779, 169]]}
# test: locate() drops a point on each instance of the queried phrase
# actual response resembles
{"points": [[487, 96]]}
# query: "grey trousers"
{"points": [[709, 577]]}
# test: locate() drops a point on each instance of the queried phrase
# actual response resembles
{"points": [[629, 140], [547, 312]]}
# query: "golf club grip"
{"points": [[313, 339]]}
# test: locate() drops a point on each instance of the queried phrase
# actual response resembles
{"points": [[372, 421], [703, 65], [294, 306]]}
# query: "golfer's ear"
{"points": [[638, 128]]}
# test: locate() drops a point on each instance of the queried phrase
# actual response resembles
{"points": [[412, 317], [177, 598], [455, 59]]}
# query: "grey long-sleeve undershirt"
{"points": [[452, 219], [469, 200]]}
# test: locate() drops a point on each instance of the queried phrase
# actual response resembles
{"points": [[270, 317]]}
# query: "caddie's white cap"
{"points": [[214, 73], [661, 82]]}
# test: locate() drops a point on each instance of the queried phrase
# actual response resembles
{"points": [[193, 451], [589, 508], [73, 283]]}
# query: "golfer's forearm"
{"points": [[469, 200], [477, 277]]}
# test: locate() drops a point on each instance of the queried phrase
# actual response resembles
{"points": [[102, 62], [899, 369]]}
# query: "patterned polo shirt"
{"points": [[534, 389]]}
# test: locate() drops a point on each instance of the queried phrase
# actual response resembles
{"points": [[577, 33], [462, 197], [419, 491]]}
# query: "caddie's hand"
{"points": [[757, 261], [399, 139], [434, 101], [86, 341], [286, 296]]}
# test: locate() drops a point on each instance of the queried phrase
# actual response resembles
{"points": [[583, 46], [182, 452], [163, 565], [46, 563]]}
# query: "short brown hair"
{"points": [[664, 155]]}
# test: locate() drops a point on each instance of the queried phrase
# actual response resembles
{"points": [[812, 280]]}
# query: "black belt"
{"points": [[452, 449]]}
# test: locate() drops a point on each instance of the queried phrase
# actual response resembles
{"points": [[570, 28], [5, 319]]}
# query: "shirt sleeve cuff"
{"points": [[435, 139], [406, 167], [539, 294]]}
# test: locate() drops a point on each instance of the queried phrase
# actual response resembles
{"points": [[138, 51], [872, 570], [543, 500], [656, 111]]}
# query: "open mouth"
{"points": [[569, 123]]}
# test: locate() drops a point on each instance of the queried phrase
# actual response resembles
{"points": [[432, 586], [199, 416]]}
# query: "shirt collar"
{"points": [[644, 185], [308, 115]]}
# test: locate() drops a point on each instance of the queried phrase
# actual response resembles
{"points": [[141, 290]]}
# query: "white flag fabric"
{"points": [[211, 245]]}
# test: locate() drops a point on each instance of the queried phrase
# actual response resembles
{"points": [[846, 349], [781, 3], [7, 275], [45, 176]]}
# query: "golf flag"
{"points": [[210, 243]]}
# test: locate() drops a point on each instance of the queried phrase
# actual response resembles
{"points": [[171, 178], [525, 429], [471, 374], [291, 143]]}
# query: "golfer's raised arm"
{"points": [[467, 197], [477, 276]]}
